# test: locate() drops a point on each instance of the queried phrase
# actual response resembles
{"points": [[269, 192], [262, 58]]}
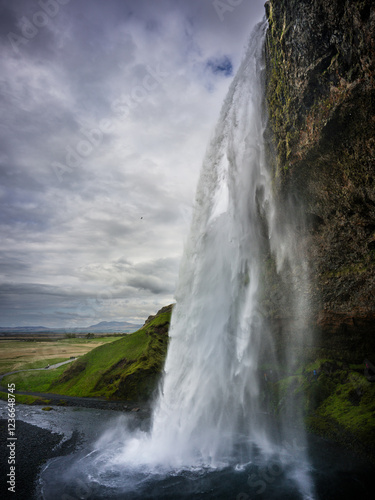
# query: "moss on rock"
{"points": [[338, 402], [320, 93]]}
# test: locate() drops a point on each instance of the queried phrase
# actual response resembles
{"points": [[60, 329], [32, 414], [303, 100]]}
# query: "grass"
{"points": [[128, 367], [352, 406], [42, 363], [338, 404], [81, 378], [25, 354], [125, 369], [26, 400], [38, 381]]}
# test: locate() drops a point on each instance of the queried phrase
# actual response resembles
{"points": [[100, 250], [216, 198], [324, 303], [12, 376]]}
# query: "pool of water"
{"points": [[330, 476], [97, 470]]}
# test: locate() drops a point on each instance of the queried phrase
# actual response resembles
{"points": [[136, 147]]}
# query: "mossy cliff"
{"points": [[321, 101], [320, 95]]}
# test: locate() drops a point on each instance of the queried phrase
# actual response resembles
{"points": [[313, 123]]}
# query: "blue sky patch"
{"points": [[222, 65]]}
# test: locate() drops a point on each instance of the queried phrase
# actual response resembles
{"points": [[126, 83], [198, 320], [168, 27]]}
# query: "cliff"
{"points": [[320, 65]]}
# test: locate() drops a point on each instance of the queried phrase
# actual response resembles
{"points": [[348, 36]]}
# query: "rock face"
{"points": [[321, 100]]}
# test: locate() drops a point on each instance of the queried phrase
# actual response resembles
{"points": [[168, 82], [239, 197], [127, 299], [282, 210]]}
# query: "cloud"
{"points": [[105, 116]]}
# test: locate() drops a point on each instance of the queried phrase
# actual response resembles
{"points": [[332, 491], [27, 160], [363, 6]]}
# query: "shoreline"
{"points": [[37, 445], [51, 399], [34, 447]]}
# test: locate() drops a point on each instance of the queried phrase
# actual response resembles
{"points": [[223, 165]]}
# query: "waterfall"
{"points": [[208, 411], [210, 390], [212, 435]]}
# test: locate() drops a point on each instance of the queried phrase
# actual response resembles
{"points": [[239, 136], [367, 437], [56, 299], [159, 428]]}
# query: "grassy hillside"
{"points": [[128, 368]]}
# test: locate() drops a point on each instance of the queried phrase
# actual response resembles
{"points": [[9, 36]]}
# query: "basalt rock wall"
{"points": [[320, 89]]}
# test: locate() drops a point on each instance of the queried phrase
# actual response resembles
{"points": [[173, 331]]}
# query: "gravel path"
{"points": [[62, 400], [51, 367]]}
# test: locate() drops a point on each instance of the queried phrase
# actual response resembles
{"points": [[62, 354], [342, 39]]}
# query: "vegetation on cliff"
{"points": [[320, 94], [320, 90], [336, 399], [126, 369]]}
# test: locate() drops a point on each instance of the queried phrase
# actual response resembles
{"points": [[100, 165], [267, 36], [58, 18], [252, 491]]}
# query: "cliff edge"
{"points": [[320, 90]]}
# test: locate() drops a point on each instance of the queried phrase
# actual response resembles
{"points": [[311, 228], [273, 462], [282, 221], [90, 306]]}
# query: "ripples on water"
{"points": [[95, 472], [209, 438]]}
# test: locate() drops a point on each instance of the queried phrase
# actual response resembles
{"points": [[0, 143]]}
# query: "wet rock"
{"points": [[34, 447], [321, 98]]}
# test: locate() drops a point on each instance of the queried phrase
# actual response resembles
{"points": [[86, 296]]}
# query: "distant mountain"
{"points": [[102, 327], [113, 326], [23, 329]]}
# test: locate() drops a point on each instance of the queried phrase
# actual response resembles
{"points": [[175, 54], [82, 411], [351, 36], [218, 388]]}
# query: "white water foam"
{"points": [[209, 413]]}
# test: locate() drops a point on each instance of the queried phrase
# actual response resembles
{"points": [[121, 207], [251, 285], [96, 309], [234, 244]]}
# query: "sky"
{"points": [[106, 109]]}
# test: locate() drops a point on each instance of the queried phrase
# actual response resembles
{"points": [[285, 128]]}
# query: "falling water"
{"points": [[210, 414], [211, 388], [209, 411]]}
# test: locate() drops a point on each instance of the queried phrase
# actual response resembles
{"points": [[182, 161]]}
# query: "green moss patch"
{"points": [[338, 402]]}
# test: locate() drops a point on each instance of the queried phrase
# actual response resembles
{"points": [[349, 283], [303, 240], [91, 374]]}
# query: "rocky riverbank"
{"points": [[34, 446]]}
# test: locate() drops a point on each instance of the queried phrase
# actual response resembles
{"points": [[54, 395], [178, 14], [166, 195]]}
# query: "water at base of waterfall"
{"points": [[210, 436], [93, 473]]}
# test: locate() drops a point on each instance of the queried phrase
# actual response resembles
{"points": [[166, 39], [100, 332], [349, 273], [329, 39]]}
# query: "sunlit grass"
{"points": [[33, 381]]}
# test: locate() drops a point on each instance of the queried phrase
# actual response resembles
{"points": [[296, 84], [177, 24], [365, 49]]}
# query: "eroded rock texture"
{"points": [[321, 100]]}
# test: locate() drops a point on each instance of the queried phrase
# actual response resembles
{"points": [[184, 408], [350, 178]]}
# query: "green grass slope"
{"points": [[128, 368], [33, 381]]}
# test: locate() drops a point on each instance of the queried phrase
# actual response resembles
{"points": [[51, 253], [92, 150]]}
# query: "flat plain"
{"points": [[29, 353]]}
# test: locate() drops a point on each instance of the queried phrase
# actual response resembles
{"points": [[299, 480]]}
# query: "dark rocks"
{"points": [[165, 309], [34, 446], [321, 100]]}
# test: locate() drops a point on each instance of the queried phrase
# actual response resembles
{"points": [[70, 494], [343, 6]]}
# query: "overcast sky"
{"points": [[106, 111]]}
